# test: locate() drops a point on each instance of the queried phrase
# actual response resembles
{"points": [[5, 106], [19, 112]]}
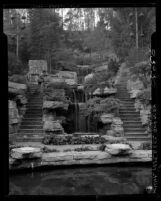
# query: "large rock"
{"points": [[55, 105], [118, 149], [134, 93], [109, 90], [106, 118], [53, 126], [16, 88], [26, 153], [88, 77]]}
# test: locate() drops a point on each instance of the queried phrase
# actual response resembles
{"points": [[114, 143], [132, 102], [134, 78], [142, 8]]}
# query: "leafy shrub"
{"points": [[99, 80], [142, 70], [97, 106], [59, 85], [113, 66], [15, 66], [66, 140], [145, 96], [136, 56], [18, 78]]}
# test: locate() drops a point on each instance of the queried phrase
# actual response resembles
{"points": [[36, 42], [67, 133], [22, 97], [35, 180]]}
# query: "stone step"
{"points": [[130, 109], [28, 139], [133, 125], [132, 122], [126, 118], [34, 105], [33, 116], [129, 112], [26, 123], [131, 130], [33, 112], [38, 119], [29, 126], [28, 131], [139, 139], [136, 135]]}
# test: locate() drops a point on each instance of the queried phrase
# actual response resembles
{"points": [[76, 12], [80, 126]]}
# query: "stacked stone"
{"points": [[54, 106], [14, 118], [17, 106]]}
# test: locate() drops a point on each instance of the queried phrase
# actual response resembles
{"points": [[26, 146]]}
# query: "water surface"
{"points": [[82, 181]]}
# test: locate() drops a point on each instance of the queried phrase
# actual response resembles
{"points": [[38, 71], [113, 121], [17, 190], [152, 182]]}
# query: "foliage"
{"points": [[142, 70], [59, 85], [100, 80], [145, 96], [113, 66], [97, 106], [15, 66], [66, 140], [18, 78]]}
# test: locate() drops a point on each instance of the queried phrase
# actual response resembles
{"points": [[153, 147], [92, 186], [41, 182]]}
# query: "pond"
{"points": [[82, 181]]}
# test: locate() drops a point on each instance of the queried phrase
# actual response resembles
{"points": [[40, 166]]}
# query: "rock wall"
{"points": [[16, 104], [112, 126]]}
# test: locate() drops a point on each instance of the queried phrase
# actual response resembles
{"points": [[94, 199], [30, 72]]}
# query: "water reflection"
{"points": [[82, 181]]}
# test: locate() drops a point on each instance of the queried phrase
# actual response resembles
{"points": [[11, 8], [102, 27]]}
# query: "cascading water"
{"points": [[76, 107]]}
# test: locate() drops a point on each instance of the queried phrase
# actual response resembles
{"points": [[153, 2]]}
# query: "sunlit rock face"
{"points": [[16, 88], [26, 153], [88, 77]]}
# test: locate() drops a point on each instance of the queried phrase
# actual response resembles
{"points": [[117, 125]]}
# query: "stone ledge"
{"points": [[82, 158]]}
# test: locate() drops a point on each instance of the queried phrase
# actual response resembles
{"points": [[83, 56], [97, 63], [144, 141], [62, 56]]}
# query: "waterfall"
{"points": [[76, 111]]}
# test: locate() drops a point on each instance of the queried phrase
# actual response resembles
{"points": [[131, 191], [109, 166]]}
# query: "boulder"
{"points": [[26, 153], [109, 90], [55, 105], [134, 93], [118, 149], [22, 99], [97, 91], [16, 88], [68, 76], [106, 118], [117, 121], [88, 77], [53, 126]]}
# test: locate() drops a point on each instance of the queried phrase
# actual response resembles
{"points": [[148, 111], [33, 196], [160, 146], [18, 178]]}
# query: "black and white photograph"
{"points": [[79, 100]]}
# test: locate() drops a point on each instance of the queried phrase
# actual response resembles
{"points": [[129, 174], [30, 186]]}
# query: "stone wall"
{"points": [[112, 126], [16, 104]]}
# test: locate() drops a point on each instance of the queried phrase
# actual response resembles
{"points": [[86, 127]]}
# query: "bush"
{"points": [[145, 96], [68, 140], [136, 56], [99, 80], [97, 106], [113, 66], [18, 78], [15, 66]]}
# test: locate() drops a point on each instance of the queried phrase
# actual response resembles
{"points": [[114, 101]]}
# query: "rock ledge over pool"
{"points": [[80, 158]]}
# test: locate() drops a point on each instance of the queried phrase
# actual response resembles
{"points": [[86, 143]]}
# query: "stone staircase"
{"points": [[31, 128], [133, 128]]}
